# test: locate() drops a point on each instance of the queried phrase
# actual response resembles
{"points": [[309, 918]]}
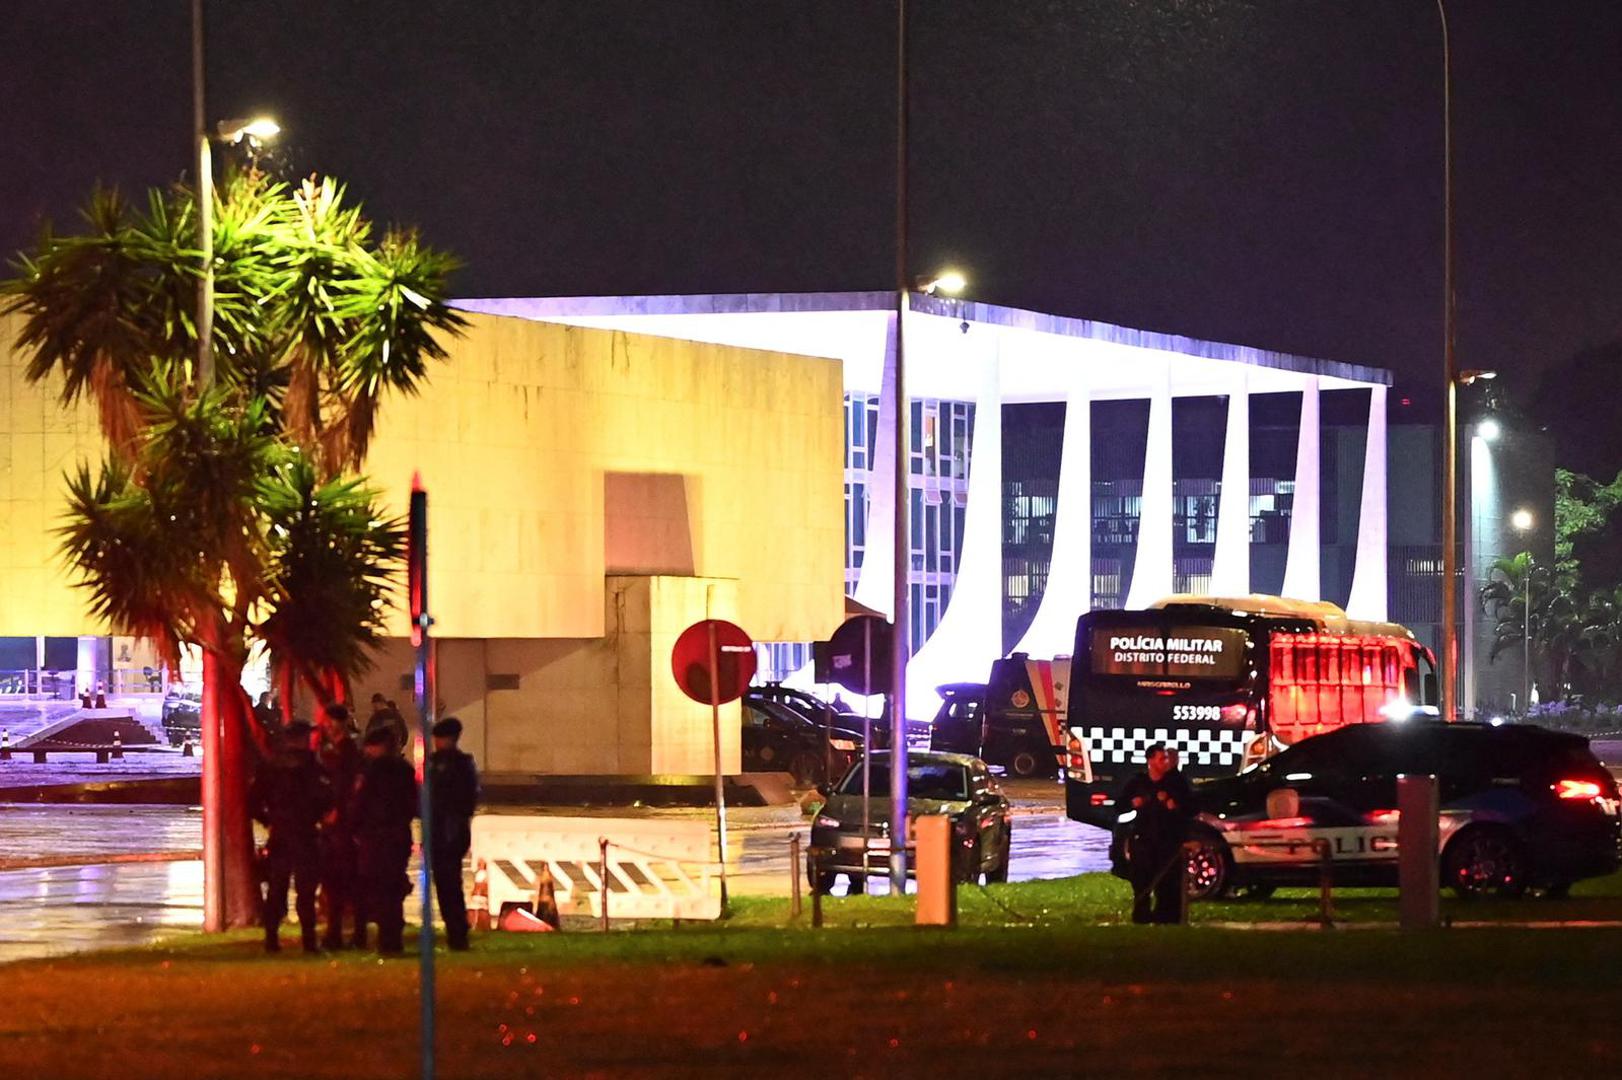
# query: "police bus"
{"points": [[1226, 682]]}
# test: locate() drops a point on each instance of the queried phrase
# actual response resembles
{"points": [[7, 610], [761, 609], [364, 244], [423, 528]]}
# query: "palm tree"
{"points": [[171, 547], [334, 555], [314, 322]]}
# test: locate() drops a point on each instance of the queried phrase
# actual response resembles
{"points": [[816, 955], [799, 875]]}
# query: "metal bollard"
{"points": [[794, 872], [118, 745], [186, 749], [1326, 882], [1418, 887], [816, 890], [5, 745], [602, 869]]}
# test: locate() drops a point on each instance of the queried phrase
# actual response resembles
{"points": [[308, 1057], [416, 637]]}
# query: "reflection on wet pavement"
{"points": [[59, 910]]}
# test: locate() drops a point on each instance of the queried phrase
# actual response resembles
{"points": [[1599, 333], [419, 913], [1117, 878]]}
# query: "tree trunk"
{"points": [[227, 827], [213, 891]]}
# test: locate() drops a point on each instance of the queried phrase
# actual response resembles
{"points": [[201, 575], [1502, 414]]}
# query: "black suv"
{"points": [[183, 716], [776, 738], [1521, 807]]}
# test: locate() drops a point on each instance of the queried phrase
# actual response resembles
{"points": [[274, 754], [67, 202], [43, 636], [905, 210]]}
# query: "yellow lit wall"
{"points": [[520, 436], [40, 441], [517, 438]]}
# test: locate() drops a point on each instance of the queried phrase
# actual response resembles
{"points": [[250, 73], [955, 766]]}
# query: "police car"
{"points": [[1521, 807]]}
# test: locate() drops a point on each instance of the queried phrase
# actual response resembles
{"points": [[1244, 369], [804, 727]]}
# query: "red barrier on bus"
{"points": [[1320, 682]]}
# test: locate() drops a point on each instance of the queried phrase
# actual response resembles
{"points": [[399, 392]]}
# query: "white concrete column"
{"points": [[1369, 594], [1152, 570], [969, 636], [1302, 577], [875, 585], [1069, 590], [1230, 564]]}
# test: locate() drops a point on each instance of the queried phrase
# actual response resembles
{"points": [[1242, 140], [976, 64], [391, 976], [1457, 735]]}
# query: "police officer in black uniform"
{"points": [[290, 795], [1162, 803], [340, 758], [453, 785], [385, 802]]}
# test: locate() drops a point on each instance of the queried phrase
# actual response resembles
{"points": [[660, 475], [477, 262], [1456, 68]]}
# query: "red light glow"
{"points": [[1577, 789]]}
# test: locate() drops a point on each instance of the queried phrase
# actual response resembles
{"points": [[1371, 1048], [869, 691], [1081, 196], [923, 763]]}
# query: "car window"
{"points": [[942, 780]]}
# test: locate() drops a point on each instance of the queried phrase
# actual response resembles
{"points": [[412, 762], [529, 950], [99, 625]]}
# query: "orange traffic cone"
{"points": [[478, 905], [546, 899]]}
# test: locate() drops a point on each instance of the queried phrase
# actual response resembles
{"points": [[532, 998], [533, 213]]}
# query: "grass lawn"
{"points": [[1034, 982]]}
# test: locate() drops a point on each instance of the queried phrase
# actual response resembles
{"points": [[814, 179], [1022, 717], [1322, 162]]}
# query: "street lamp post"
{"points": [[899, 643], [213, 765], [1450, 433], [1522, 521]]}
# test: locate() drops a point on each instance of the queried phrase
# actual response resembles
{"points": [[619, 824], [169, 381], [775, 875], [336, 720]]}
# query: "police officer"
{"points": [[336, 750], [453, 785], [290, 795], [1161, 801], [385, 801], [386, 717]]}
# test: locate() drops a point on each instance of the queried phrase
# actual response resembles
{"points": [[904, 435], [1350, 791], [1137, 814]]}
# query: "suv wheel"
{"points": [[1483, 862], [1209, 870]]}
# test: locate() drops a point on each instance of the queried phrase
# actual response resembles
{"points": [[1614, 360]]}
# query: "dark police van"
{"points": [[1521, 807], [1015, 720]]}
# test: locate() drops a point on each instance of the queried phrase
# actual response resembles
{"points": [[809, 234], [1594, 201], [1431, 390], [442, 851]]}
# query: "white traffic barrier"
{"points": [[656, 869]]}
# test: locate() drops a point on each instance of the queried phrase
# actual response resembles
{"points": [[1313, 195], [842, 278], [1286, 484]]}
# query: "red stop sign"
{"points": [[734, 657]]}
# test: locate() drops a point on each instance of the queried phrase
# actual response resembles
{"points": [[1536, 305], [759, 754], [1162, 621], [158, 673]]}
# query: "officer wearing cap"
{"points": [[385, 801], [289, 796], [453, 786]]}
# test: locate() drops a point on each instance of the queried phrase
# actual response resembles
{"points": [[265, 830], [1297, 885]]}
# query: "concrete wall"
{"points": [[718, 461], [582, 706], [40, 441], [534, 430]]}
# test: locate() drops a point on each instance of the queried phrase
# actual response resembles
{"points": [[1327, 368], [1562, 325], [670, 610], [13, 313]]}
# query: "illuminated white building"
{"points": [[967, 364]]}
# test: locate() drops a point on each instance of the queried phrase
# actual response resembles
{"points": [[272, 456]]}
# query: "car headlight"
{"points": [[823, 821], [843, 744]]}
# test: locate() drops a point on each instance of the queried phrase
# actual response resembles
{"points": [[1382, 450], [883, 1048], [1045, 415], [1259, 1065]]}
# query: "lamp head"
{"points": [[1470, 375], [1521, 519], [950, 282], [1489, 429], [255, 130]]}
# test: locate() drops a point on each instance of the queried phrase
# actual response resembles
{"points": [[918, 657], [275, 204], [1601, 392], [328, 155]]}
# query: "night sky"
{"points": [[1266, 172]]}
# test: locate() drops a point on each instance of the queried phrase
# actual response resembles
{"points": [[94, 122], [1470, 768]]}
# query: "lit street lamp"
{"points": [[1522, 521]]}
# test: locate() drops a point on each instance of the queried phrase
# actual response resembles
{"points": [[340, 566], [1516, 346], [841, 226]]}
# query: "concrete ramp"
{"points": [[88, 730]]}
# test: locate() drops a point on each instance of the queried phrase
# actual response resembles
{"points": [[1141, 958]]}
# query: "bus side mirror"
{"points": [[1283, 803], [1430, 688]]}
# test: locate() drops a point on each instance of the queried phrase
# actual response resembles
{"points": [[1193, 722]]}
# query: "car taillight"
{"points": [[1078, 755], [1576, 789], [1099, 798]]}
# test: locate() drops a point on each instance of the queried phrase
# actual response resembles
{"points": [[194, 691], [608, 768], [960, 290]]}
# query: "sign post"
{"points": [[713, 661], [417, 588], [859, 659]]}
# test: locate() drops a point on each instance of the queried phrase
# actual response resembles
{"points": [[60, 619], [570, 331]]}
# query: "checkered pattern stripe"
{"points": [[1196, 746]]}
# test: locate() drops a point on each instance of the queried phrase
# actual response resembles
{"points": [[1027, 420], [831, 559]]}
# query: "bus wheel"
{"points": [[1209, 869], [1024, 764]]}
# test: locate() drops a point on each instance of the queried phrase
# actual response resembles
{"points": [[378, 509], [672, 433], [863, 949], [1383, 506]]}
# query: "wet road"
{"points": [[49, 907], [59, 893]]}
